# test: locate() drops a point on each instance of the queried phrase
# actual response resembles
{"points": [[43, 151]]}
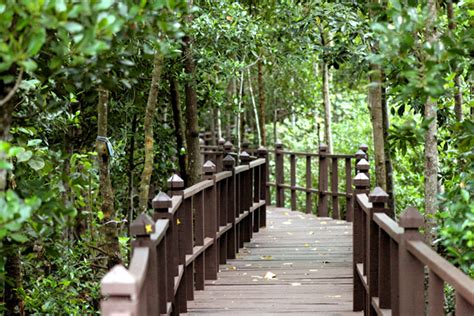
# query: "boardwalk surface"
{"points": [[298, 265]]}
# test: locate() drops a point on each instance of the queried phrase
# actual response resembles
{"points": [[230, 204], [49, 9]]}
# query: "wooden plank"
{"points": [[309, 258]]}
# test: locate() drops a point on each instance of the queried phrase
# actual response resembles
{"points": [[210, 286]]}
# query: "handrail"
{"points": [[192, 231], [389, 261]]}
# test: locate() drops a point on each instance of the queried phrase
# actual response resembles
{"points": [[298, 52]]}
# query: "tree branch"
{"points": [[13, 90]]}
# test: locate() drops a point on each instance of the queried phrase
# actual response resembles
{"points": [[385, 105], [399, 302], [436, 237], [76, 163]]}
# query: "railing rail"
{"points": [[191, 232], [390, 259]]}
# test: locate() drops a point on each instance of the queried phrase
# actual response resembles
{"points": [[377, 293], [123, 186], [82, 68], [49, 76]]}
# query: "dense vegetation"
{"points": [[101, 100]]}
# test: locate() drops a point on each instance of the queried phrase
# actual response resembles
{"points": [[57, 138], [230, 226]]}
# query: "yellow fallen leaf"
{"points": [[306, 245], [286, 213], [323, 222], [287, 223], [289, 233], [313, 270], [266, 257]]}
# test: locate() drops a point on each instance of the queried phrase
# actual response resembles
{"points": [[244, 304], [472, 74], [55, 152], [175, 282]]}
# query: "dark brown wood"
{"points": [[435, 295], [293, 181], [309, 184], [349, 204], [334, 188], [384, 275], [323, 182], [279, 175]]}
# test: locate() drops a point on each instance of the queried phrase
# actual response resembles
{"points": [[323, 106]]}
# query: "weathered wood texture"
{"points": [[311, 261]]}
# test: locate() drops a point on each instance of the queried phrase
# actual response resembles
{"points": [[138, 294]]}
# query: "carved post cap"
{"points": [[228, 161], [161, 201], [221, 141], [361, 180], [143, 225], [363, 165], [278, 144], [201, 141], [175, 182], [209, 167], [118, 281], [228, 146], [245, 157], [378, 195], [364, 147], [262, 151], [360, 154], [411, 219], [245, 144], [323, 148]]}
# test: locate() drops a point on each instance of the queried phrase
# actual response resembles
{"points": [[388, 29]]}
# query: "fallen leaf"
{"points": [[311, 233], [256, 277], [270, 275], [266, 257], [295, 284], [287, 263], [289, 233], [287, 223], [323, 222], [306, 245]]}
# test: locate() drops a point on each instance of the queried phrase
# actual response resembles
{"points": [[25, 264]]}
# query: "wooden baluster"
{"points": [[410, 270], [349, 204], [256, 172], [436, 295], [222, 187], [176, 187], [323, 181], [141, 228], [378, 198], [220, 155], [232, 248], [394, 284], [463, 307], [161, 204], [361, 183], [210, 225], [293, 181], [309, 185], [264, 191], [335, 189], [279, 175], [247, 222], [199, 220]]}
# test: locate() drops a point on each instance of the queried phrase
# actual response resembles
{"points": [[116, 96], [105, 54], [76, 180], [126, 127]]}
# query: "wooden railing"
{"points": [[390, 259], [325, 189], [191, 232]]}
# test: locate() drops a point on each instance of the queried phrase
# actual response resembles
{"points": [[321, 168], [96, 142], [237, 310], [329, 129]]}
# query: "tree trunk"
{"points": [[388, 159], [327, 107], [376, 113], [109, 226], [431, 147], [131, 167], [457, 79], [13, 277], [261, 103], [148, 130], [192, 128], [254, 106], [178, 125]]}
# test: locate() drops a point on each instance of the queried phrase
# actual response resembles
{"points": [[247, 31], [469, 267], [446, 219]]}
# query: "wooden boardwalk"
{"points": [[299, 264]]}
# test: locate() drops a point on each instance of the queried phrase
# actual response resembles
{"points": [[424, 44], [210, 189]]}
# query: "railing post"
{"points": [[363, 166], [232, 249], [279, 175], [176, 188], [349, 204], [168, 267], [119, 286], [309, 185], [247, 201], [410, 271], [323, 181], [361, 183], [264, 192], [220, 154], [335, 188], [211, 225], [141, 228], [378, 198], [293, 181]]}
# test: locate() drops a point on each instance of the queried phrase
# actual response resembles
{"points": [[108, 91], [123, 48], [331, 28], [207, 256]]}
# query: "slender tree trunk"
{"points": [[254, 105], [239, 115], [131, 168], [376, 113], [11, 251], [261, 103], [457, 79], [219, 123], [231, 93], [148, 129], [109, 226], [431, 146], [327, 107], [178, 125], [388, 159], [213, 126], [192, 128]]}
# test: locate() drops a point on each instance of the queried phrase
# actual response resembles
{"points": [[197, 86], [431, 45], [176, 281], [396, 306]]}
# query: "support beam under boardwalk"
{"points": [[299, 264]]}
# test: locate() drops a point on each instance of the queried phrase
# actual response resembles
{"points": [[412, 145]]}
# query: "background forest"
{"points": [[101, 100]]}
